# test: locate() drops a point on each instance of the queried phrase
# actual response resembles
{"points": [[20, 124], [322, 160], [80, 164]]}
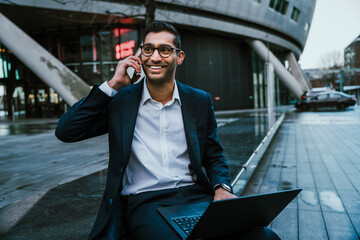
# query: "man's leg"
{"points": [[143, 220], [145, 223]]}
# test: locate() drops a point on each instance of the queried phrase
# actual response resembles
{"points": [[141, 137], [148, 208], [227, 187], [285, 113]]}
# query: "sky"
{"points": [[335, 24]]}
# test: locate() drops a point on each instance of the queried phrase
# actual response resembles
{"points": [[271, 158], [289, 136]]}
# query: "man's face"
{"points": [[157, 68]]}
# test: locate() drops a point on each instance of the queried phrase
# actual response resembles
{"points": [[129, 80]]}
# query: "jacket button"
{"points": [[110, 201]]}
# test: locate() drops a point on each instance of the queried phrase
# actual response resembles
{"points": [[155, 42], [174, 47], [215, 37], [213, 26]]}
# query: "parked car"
{"points": [[326, 99]]}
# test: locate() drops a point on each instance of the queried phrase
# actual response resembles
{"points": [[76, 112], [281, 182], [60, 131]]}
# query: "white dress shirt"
{"points": [[159, 156]]}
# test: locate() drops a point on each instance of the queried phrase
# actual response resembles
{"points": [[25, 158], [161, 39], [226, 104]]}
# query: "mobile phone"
{"points": [[134, 76], [133, 79]]}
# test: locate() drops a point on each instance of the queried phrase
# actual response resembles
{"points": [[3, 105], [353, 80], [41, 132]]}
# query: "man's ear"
{"points": [[180, 58]]}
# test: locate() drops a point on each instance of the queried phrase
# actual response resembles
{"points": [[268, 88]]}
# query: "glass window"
{"points": [[334, 95], [70, 45], [279, 5], [295, 14], [322, 96], [272, 3], [87, 46]]}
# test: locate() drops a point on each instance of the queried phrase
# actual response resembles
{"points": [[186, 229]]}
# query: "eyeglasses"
{"points": [[164, 50]]}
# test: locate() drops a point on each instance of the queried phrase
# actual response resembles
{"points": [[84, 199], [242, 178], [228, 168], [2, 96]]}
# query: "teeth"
{"points": [[155, 67]]}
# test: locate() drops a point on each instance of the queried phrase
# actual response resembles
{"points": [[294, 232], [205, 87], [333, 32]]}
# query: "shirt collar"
{"points": [[146, 94]]}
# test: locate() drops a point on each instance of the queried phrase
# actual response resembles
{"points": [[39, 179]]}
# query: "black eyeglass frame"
{"points": [[154, 48]]}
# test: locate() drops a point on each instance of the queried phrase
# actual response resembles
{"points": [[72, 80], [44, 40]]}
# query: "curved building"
{"points": [[227, 44]]}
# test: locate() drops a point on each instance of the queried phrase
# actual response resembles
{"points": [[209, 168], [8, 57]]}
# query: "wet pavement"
{"points": [[26, 126], [43, 181], [320, 153], [52, 190]]}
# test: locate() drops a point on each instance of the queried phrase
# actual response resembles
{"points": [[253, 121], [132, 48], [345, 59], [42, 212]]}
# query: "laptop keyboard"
{"points": [[187, 223]]}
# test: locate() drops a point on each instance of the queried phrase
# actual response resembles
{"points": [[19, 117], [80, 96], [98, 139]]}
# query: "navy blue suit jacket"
{"points": [[99, 114]]}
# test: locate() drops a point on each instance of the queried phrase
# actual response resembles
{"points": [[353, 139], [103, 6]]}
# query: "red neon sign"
{"points": [[121, 31], [125, 49]]}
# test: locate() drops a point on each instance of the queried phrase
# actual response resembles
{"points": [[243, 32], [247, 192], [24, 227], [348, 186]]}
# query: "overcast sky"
{"points": [[336, 23]]}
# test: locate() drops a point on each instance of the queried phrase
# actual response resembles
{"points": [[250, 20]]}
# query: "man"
{"points": [[162, 134]]}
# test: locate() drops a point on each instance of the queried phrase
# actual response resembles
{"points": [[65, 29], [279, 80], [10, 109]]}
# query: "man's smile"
{"points": [[155, 68]]}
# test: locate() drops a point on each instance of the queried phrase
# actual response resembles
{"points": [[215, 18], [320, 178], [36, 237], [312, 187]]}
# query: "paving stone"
{"points": [[355, 180], [311, 225], [351, 201], [339, 226], [355, 219], [305, 180], [308, 200], [286, 224], [342, 182], [328, 170]]}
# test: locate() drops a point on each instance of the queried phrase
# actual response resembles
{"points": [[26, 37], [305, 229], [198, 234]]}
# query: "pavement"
{"points": [[52, 190], [320, 153]]}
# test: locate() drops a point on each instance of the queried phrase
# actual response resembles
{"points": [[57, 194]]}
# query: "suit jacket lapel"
{"points": [[188, 110], [130, 107]]}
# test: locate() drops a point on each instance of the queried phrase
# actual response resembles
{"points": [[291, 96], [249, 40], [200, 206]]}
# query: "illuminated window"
{"points": [[2, 75], [306, 27], [279, 5], [295, 14]]}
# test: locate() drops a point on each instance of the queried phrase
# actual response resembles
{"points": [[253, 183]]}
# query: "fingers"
{"points": [[121, 77], [132, 61]]}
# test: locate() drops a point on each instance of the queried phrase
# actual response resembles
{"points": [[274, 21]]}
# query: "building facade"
{"points": [[89, 37]]}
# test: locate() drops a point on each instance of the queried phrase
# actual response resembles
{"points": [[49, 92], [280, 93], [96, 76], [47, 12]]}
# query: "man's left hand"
{"points": [[221, 194]]}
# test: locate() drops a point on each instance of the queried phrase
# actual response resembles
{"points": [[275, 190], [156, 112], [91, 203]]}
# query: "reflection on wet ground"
{"points": [[331, 200], [309, 197], [240, 134], [28, 127]]}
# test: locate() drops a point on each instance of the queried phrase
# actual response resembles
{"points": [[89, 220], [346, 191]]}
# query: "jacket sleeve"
{"points": [[214, 161], [85, 119]]}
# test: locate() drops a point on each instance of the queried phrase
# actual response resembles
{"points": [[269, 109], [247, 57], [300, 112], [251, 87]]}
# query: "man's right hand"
{"points": [[121, 78]]}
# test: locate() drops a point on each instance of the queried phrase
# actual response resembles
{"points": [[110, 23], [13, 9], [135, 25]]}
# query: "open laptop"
{"points": [[225, 217]]}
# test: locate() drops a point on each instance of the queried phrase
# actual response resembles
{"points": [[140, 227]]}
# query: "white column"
{"points": [[297, 72], [48, 68], [285, 77], [270, 77]]}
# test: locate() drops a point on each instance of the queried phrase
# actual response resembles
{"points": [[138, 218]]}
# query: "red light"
{"points": [[116, 32], [124, 49], [125, 30]]}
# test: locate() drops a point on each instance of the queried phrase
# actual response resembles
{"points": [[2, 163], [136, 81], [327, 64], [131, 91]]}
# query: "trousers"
{"points": [[143, 222]]}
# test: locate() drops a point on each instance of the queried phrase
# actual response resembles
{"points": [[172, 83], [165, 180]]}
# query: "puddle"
{"points": [[331, 200], [285, 185], [223, 121], [308, 197]]}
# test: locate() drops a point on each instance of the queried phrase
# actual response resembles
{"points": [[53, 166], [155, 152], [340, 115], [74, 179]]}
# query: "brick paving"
{"points": [[320, 153]]}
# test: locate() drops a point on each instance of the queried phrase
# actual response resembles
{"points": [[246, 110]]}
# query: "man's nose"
{"points": [[155, 57]]}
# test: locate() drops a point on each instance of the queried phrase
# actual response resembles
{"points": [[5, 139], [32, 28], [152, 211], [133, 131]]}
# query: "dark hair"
{"points": [[163, 26]]}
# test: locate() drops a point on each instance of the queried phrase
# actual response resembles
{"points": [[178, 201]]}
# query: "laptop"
{"points": [[225, 217]]}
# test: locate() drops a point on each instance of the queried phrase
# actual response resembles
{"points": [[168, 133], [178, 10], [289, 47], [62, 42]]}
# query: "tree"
{"points": [[332, 60]]}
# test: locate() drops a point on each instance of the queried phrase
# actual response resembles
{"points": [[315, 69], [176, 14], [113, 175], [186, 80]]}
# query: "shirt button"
{"points": [[110, 201]]}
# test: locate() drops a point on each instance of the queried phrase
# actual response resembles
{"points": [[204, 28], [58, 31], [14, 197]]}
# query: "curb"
{"points": [[251, 164]]}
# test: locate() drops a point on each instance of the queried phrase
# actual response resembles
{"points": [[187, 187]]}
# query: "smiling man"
{"points": [[162, 134]]}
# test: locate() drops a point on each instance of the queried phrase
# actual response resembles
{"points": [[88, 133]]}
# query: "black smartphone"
{"points": [[134, 76]]}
